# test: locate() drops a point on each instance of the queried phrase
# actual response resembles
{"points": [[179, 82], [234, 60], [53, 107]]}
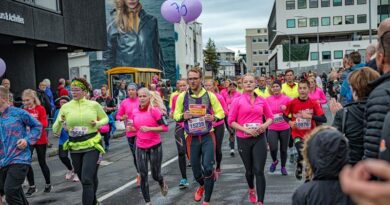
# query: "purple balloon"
{"points": [[2, 67], [170, 11], [190, 10]]}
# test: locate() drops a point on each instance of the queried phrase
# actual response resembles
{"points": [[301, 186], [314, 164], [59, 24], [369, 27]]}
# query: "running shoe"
{"points": [[199, 193], [284, 171], [252, 196], [76, 178], [205, 203], [298, 172], [189, 164], [31, 190], [183, 184], [48, 188], [259, 203], [273, 166], [232, 152], [138, 180], [69, 175], [164, 189]]}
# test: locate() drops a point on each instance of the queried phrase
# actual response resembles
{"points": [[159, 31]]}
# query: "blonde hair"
{"points": [[4, 93], [155, 99], [122, 17], [31, 94]]}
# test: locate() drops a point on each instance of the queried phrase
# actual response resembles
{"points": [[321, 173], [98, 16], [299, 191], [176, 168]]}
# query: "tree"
{"points": [[211, 58]]}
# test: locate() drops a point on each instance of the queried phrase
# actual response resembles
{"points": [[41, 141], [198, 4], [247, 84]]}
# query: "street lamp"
{"points": [[289, 46], [318, 37]]}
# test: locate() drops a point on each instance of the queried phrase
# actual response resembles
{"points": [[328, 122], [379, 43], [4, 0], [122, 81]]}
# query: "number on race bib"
{"points": [[303, 124], [79, 131], [197, 125]]}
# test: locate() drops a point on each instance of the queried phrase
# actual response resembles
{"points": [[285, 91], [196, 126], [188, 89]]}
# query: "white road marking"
{"points": [[123, 187]]}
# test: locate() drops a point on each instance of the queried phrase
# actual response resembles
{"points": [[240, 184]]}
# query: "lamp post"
{"points": [[318, 37], [369, 21], [289, 46]]}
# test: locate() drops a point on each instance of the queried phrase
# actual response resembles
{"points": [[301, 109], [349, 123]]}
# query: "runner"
{"points": [[174, 94], [246, 116], [305, 113], [239, 85], [64, 154], [316, 93], [194, 108], [262, 90], [83, 118], [125, 113], [219, 127], [33, 106], [180, 137], [148, 122], [279, 131]]}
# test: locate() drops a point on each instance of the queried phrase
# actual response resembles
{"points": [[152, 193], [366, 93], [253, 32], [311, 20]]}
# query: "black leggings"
{"points": [[86, 166], [181, 150], [231, 131], [131, 142], [274, 137], [219, 134], [63, 155], [106, 138], [154, 155], [41, 154], [253, 152], [299, 146]]}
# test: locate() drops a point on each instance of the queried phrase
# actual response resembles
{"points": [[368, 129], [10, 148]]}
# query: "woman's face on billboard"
{"points": [[131, 3]]}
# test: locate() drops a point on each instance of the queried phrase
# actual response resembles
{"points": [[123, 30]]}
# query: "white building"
{"points": [[188, 46], [79, 65], [257, 50], [342, 26], [225, 54]]}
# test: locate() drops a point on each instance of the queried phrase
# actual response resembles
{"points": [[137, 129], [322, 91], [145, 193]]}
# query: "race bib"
{"points": [[197, 110], [278, 118], [197, 125], [303, 124], [79, 131], [252, 126]]}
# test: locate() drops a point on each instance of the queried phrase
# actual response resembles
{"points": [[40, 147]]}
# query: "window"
{"points": [[362, 18], [266, 52], [290, 4], [52, 5], [260, 52], [361, 2], [258, 30], [254, 40], [313, 3], [337, 20], [326, 55], [260, 40], [325, 21], [338, 54], [350, 19], [314, 56], [349, 51], [266, 39], [302, 22], [302, 4], [313, 22], [290, 23], [266, 63], [254, 53], [260, 63], [349, 2], [362, 53], [337, 3], [325, 3], [254, 64]]}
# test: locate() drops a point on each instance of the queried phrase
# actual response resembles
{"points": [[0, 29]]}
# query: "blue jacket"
{"points": [[16, 124], [64, 134], [50, 95], [345, 90]]}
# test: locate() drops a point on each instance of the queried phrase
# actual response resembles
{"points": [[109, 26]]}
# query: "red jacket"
{"points": [[62, 91], [39, 113]]}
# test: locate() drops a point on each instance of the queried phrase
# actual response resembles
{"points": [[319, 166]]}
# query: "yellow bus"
{"points": [[130, 74]]}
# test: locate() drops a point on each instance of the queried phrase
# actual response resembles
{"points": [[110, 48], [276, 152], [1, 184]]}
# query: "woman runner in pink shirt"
{"points": [[125, 113], [246, 116], [148, 121], [279, 130], [316, 93]]}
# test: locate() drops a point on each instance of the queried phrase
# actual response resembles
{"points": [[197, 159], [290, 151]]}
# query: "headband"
{"points": [[79, 84]]}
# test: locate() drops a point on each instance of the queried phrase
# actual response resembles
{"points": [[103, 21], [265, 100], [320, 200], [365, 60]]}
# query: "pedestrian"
{"points": [[355, 63], [7, 85], [349, 120], [120, 93], [148, 122], [239, 85], [61, 91], [325, 153], [84, 140], [180, 138], [63, 154], [43, 98], [49, 94], [262, 90], [165, 93], [33, 106], [279, 130], [194, 108], [302, 114], [18, 130], [125, 114], [174, 94], [246, 116]]}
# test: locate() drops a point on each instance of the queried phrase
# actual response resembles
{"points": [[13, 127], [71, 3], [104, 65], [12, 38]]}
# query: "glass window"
{"points": [[349, 2], [266, 39], [362, 53], [337, 3], [290, 23], [383, 17], [302, 4], [325, 3], [338, 54], [362, 18], [290, 4], [313, 3], [302, 22], [361, 1], [254, 64], [260, 63], [326, 55], [266, 63], [260, 40], [325, 21], [313, 22], [260, 52], [337, 20], [265, 52], [254, 40], [350, 19], [254, 53], [349, 51], [314, 56]]}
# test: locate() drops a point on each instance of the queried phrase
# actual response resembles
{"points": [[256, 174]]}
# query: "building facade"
{"points": [[36, 37], [318, 33], [257, 50]]}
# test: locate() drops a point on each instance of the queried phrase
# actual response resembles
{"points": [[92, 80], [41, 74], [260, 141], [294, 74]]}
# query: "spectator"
{"points": [[67, 87], [7, 85], [165, 93], [120, 94], [370, 56], [355, 63], [49, 93], [61, 88], [318, 79], [43, 98]]}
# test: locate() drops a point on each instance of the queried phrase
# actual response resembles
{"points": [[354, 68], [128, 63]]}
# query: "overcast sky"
{"points": [[225, 21]]}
